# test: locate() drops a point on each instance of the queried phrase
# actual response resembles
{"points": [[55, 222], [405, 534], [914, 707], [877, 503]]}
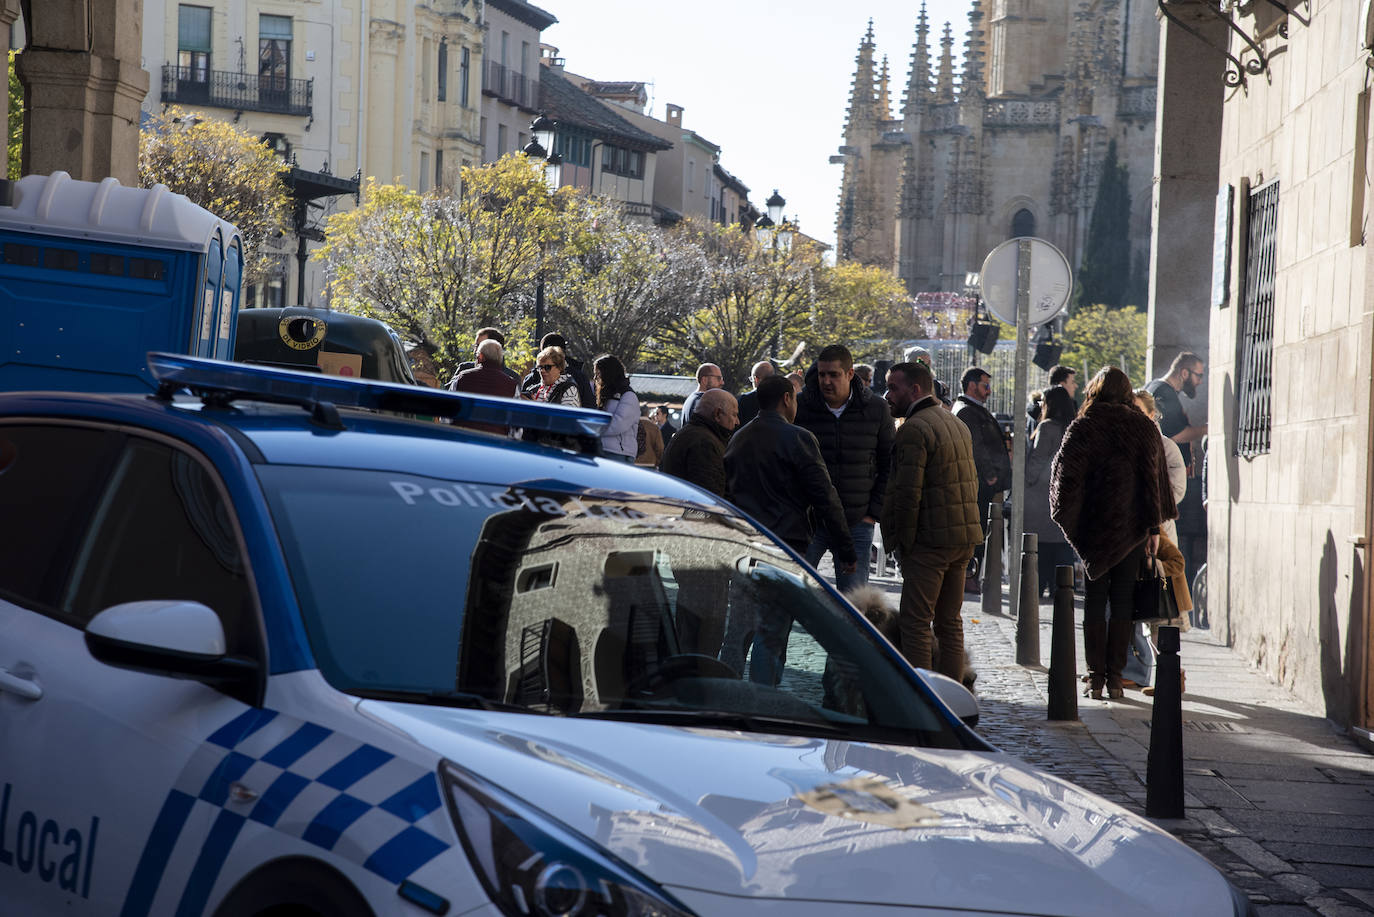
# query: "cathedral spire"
{"points": [[918, 78], [944, 83], [971, 85], [863, 95], [884, 99]]}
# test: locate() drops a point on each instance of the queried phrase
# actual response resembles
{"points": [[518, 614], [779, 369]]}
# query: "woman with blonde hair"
{"points": [[556, 384], [1109, 493]]}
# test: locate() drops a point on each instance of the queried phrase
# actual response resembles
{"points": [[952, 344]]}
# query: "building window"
{"points": [[482, 132], [193, 43], [274, 53], [505, 48], [1022, 224], [439, 169], [279, 145], [464, 68], [442, 91], [691, 174], [1256, 333], [524, 58], [500, 140]]}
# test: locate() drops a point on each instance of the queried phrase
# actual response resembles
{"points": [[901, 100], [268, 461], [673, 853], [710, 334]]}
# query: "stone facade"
{"points": [[1014, 147], [1290, 372]]}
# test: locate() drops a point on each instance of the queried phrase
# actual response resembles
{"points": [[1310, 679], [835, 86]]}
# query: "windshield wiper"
{"points": [[445, 699], [721, 719]]}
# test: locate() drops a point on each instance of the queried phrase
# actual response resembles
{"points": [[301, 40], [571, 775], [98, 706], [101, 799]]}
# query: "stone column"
{"points": [[1187, 153], [83, 87]]}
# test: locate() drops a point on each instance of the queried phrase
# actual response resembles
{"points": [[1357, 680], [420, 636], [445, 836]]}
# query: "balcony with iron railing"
{"points": [[239, 91], [510, 86]]}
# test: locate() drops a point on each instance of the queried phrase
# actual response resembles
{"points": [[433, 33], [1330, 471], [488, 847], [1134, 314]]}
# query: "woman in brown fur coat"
{"points": [[1109, 492]]}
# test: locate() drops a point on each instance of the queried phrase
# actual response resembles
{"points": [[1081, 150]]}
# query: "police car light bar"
{"points": [[241, 381]]}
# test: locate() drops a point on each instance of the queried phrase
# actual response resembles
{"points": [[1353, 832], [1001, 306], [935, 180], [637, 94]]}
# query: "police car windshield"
{"points": [[577, 604]]}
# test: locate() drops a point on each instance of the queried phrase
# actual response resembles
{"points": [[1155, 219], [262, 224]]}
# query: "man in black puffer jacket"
{"points": [[854, 428]]}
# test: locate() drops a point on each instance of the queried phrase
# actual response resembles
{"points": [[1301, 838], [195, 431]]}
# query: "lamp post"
{"points": [[543, 134], [775, 232]]}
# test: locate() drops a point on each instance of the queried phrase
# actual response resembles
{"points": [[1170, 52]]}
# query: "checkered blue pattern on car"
{"points": [[302, 779]]}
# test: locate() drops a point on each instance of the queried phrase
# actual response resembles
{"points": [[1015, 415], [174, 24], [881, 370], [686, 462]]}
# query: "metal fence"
{"points": [[951, 358]]}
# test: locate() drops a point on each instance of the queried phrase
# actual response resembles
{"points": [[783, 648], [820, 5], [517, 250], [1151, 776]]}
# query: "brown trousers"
{"points": [[933, 593]]}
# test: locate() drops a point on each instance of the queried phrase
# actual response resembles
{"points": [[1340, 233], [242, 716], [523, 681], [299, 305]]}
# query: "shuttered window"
{"points": [[1255, 342]]}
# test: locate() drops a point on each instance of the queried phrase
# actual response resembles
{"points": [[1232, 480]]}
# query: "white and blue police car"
{"points": [[275, 643]]}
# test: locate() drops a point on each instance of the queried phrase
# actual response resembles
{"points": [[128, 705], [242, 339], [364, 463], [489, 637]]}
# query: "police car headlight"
{"points": [[532, 864]]}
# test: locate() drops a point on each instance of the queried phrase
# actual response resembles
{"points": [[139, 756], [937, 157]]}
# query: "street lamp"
{"points": [[775, 232], [543, 133]]}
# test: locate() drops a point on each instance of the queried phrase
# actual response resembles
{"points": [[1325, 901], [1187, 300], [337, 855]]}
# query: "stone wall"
{"points": [[1286, 579]]}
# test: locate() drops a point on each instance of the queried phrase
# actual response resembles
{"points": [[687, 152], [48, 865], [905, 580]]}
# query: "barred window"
{"points": [[1255, 339]]}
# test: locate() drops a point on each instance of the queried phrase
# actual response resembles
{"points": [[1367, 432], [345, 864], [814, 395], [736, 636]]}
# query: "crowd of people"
{"points": [[827, 465]]}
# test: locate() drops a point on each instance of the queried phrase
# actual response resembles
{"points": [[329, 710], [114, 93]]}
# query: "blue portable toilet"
{"points": [[93, 275]]}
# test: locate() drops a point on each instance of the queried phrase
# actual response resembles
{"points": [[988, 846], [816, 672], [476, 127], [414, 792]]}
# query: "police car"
{"points": [[272, 644]]}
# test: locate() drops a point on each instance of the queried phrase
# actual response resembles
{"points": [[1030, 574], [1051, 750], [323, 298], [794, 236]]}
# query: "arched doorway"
{"points": [[1022, 223]]}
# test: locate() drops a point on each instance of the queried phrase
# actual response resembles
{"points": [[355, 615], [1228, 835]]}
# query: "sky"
{"points": [[766, 81]]}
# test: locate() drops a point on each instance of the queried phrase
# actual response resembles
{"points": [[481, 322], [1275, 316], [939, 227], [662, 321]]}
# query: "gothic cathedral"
{"points": [[1014, 147]]}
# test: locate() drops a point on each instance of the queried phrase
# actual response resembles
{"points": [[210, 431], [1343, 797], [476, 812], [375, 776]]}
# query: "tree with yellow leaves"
{"points": [[227, 171]]}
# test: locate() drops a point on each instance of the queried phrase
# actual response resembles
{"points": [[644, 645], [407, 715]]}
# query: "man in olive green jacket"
{"points": [[930, 516]]}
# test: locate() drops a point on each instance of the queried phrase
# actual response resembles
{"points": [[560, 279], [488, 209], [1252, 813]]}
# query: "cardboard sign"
{"points": [[341, 364]]}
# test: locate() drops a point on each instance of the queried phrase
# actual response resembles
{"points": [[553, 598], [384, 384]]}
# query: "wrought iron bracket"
{"points": [[1236, 74], [1291, 10]]}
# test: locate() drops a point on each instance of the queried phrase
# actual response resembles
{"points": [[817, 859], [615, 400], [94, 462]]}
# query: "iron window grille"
{"points": [[1255, 343]]}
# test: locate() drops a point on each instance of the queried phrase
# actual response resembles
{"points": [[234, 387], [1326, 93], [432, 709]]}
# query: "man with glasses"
{"points": [[1184, 376], [709, 378]]}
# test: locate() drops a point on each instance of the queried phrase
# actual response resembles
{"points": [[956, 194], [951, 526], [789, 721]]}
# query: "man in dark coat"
{"points": [[488, 377], [483, 334], [749, 401], [776, 474], [696, 453], [989, 454], [532, 380], [929, 517], [854, 429], [665, 422]]}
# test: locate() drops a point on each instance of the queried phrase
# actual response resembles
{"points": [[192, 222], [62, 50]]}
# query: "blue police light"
{"points": [[224, 381]]}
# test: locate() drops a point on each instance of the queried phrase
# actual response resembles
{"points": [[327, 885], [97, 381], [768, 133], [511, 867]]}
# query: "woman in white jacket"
{"points": [[614, 395], [1173, 458]]}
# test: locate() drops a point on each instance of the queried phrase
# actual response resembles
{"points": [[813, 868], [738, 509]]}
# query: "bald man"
{"points": [[696, 453], [709, 378]]}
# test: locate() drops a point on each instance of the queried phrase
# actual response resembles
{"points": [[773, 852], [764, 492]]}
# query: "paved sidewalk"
{"points": [[1274, 796]]}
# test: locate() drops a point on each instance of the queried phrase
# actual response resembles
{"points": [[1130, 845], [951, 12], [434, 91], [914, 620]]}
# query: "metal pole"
{"points": [[539, 310], [1063, 655], [992, 562], [1018, 426], [1164, 761], [1028, 608]]}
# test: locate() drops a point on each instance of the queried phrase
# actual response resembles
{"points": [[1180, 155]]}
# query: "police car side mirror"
{"points": [[173, 638], [956, 697]]}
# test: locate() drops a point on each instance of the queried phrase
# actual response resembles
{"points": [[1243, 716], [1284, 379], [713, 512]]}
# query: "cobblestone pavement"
{"points": [[1271, 847]]}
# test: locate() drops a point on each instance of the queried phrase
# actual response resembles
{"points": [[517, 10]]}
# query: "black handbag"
{"points": [[1154, 594]]}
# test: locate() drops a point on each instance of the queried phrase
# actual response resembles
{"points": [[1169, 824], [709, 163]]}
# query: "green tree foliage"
{"points": [[227, 171], [621, 280], [16, 125], [1105, 276], [438, 266], [1097, 336], [758, 302], [861, 306]]}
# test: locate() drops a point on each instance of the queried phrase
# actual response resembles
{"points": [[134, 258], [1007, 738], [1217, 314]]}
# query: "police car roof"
{"points": [[60, 205], [290, 435]]}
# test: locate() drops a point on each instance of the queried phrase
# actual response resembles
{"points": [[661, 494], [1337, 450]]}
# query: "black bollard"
{"points": [[992, 562], [1164, 765], [1063, 654], [1028, 605]]}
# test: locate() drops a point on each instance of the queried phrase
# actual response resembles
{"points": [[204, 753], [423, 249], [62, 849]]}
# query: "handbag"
{"points": [[1154, 594]]}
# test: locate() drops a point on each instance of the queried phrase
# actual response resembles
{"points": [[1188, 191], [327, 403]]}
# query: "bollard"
{"points": [[1164, 764], [1063, 654], [1028, 605], [992, 562]]}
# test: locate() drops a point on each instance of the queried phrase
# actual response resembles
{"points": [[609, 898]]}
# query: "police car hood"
{"points": [[811, 819]]}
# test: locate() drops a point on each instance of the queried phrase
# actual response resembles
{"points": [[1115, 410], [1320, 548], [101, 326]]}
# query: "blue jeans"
{"points": [[862, 533]]}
